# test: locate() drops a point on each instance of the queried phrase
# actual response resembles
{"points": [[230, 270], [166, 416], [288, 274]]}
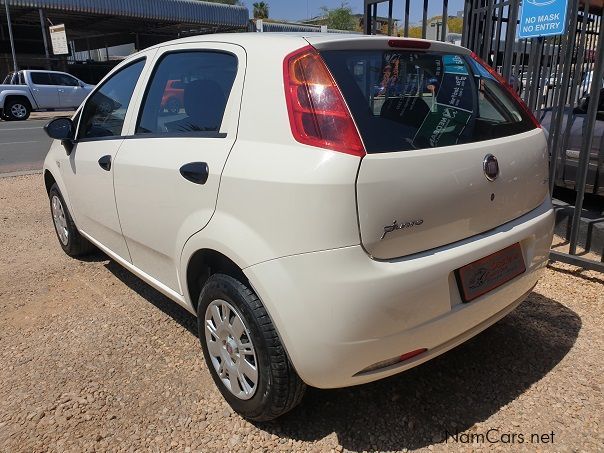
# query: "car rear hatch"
{"points": [[451, 150]]}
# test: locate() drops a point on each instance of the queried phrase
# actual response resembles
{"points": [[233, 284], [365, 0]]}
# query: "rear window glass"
{"points": [[404, 100], [41, 78]]}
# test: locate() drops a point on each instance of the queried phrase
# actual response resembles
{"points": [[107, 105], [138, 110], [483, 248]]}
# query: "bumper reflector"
{"points": [[392, 361]]}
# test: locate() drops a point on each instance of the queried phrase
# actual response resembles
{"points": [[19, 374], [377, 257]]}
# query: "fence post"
{"points": [[406, 34], [558, 112], [510, 39], [443, 34], [465, 33], [425, 19]]}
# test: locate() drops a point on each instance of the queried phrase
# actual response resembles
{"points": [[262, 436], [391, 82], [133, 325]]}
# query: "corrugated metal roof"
{"points": [[186, 11], [297, 28]]}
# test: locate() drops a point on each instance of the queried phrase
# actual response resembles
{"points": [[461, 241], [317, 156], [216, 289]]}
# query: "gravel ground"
{"points": [[92, 359]]}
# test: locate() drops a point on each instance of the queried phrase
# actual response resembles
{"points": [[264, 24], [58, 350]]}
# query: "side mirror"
{"points": [[62, 129]]}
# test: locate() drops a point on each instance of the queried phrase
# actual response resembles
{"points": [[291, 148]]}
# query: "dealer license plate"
{"points": [[490, 272]]}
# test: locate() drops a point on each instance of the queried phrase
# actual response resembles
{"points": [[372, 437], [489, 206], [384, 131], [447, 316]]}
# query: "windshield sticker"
{"points": [[441, 128], [454, 64], [431, 95], [456, 92]]}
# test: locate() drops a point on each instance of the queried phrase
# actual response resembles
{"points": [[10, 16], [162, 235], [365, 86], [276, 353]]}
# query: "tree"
{"points": [[260, 10], [455, 25], [339, 18], [415, 32]]}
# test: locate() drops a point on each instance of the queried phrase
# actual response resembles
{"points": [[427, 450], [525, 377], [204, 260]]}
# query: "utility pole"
{"points": [[44, 37], [10, 34]]}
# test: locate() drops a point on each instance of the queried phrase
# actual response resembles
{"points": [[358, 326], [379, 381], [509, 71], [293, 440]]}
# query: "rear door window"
{"points": [[405, 100], [41, 78], [188, 93]]}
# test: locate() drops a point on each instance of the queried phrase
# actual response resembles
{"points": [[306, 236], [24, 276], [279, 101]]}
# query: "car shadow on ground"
{"points": [[96, 256], [154, 297], [422, 406]]}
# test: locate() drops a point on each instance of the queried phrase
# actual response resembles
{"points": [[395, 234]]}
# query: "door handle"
{"points": [[105, 162], [196, 172]]}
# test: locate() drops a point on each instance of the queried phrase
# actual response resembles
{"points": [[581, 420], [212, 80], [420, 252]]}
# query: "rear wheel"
{"points": [[70, 239], [243, 352], [16, 110], [173, 106]]}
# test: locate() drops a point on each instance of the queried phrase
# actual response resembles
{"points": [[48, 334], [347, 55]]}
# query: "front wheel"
{"points": [[243, 352], [70, 239], [16, 110]]}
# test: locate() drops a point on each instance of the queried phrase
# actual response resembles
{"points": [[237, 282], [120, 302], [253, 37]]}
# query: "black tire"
{"points": [[173, 106], [16, 110], [279, 388], [75, 244]]}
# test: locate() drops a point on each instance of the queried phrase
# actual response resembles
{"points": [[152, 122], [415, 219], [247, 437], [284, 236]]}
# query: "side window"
{"points": [[64, 80], [105, 111], [188, 93], [41, 78]]}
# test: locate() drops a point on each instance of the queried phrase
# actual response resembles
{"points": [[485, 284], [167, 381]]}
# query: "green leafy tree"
{"points": [[415, 32], [339, 18], [455, 25], [260, 10]]}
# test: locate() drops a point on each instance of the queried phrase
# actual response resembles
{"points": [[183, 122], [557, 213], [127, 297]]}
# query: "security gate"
{"points": [[561, 78]]}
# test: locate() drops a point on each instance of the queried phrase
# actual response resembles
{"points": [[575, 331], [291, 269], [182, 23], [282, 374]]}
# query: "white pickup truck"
{"points": [[25, 91]]}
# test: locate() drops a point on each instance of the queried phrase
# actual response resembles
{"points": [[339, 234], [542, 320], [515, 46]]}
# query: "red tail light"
{"points": [[508, 87], [318, 115]]}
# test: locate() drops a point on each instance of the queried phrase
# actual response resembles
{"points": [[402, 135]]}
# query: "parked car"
{"points": [[568, 160], [172, 100], [28, 90], [586, 83], [322, 234]]}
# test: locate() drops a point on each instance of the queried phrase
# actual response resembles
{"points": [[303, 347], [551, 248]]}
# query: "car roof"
{"points": [[314, 38], [47, 70]]}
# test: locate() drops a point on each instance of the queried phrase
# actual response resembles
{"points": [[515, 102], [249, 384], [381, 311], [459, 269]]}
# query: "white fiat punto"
{"points": [[335, 209]]}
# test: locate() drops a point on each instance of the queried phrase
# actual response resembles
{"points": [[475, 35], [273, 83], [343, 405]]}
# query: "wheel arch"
{"points": [[49, 180], [9, 97], [52, 175], [202, 264]]}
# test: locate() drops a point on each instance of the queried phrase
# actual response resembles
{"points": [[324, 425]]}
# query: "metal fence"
{"points": [[560, 78]]}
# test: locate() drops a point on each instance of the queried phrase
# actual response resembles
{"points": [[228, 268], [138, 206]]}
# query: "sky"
{"points": [[293, 10]]}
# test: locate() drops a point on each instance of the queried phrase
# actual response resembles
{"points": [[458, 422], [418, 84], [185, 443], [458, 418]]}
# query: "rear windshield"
{"points": [[405, 100]]}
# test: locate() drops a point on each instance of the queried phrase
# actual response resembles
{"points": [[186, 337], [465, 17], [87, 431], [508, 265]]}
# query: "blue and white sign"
{"points": [[542, 18]]}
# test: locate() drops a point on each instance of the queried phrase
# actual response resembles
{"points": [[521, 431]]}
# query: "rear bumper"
{"points": [[339, 311]]}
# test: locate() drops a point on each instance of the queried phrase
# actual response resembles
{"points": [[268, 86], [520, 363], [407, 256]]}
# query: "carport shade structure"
{"points": [[100, 23]]}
